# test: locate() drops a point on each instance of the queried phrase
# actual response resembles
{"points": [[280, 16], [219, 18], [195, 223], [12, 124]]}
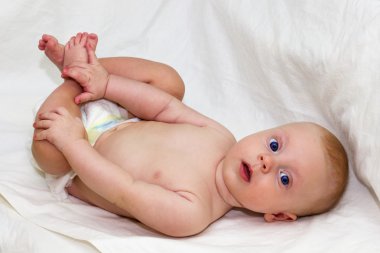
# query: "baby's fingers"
{"points": [[42, 124], [51, 115], [76, 73], [78, 64], [83, 98], [40, 135], [61, 111]]}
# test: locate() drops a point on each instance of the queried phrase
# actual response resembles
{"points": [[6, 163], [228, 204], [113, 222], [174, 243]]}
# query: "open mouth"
{"points": [[245, 171]]}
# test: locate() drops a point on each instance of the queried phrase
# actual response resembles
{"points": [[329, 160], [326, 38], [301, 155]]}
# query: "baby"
{"points": [[176, 170]]}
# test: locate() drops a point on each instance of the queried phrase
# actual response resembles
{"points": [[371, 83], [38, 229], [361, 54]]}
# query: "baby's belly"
{"points": [[179, 158], [164, 154]]}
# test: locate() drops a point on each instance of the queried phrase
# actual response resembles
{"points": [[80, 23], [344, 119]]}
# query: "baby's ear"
{"points": [[269, 217]]}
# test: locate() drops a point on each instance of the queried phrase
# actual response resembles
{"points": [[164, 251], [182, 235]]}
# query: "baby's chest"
{"points": [[170, 156], [173, 169]]}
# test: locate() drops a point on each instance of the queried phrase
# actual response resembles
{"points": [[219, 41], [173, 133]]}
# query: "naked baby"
{"points": [[175, 170]]}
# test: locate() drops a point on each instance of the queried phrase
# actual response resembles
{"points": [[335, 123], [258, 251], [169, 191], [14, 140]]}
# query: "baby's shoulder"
{"points": [[222, 132]]}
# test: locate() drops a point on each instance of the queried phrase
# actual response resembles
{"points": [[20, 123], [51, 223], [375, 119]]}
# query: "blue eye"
{"points": [[284, 179], [274, 145]]}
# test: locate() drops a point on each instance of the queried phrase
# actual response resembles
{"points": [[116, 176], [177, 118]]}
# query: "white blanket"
{"points": [[248, 64]]}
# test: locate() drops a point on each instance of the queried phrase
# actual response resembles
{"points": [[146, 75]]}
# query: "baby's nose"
{"points": [[267, 161]]}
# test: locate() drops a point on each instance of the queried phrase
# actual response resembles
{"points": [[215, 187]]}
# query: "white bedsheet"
{"points": [[248, 64]]}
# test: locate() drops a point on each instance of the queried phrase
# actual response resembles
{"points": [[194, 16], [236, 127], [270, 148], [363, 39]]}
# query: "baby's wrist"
{"points": [[110, 78], [71, 146]]}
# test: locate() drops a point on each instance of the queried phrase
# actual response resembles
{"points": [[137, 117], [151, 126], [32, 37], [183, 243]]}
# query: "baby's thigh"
{"points": [[48, 158], [79, 190]]}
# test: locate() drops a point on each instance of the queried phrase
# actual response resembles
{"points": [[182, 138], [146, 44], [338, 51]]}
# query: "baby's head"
{"points": [[297, 169]]}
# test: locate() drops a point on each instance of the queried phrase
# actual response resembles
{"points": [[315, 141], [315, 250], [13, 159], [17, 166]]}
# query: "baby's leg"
{"points": [[48, 158], [46, 155], [157, 74], [79, 190]]}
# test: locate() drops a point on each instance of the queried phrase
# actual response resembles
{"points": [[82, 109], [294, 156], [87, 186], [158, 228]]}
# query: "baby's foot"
{"points": [[56, 52], [53, 50], [75, 50]]}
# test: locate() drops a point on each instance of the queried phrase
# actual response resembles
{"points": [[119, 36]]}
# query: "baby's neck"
{"points": [[223, 191]]}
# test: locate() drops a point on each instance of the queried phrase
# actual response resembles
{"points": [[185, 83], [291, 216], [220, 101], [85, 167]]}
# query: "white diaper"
{"points": [[97, 116], [101, 115]]}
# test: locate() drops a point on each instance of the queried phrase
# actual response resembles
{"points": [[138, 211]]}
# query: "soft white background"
{"points": [[248, 64]]}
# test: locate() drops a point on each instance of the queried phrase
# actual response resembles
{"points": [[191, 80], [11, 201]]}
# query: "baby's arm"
{"points": [[149, 103], [139, 98], [169, 212], [156, 74], [157, 207]]}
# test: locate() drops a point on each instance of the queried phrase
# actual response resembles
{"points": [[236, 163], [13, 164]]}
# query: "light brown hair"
{"points": [[337, 166]]}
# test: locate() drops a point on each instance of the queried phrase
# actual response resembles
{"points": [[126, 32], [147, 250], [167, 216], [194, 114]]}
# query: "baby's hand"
{"points": [[59, 128], [92, 76]]}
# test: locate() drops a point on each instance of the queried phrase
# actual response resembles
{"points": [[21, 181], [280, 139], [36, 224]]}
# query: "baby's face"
{"points": [[277, 170]]}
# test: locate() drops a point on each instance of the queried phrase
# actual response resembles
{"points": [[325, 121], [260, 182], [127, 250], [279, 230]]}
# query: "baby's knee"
{"points": [[173, 82], [49, 158]]}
